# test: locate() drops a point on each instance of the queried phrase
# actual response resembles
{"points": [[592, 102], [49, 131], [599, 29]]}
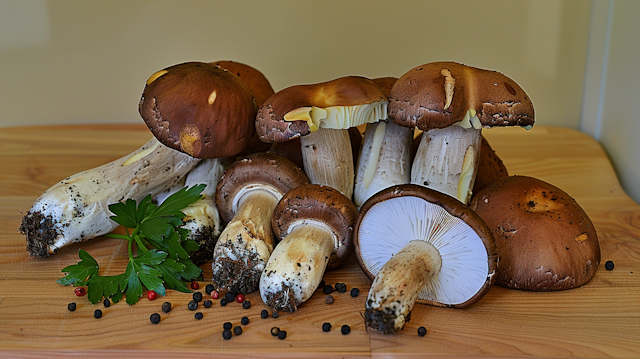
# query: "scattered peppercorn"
{"points": [[151, 295], [327, 289], [246, 304], [197, 296], [345, 329], [275, 314], [240, 298], [223, 302], [355, 292], [198, 316], [609, 265], [264, 314], [166, 307], [97, 313], [282, 334], [215, 294], [209, 288], [207, 303], [106, 303], [155, 318], [71, 306], [329, 299], [244, 321], [422, 331], [226, 334], [80, 291], [341, 287], [195, 285], [230, 297], [275, 331], [193, 305], [227, 326], [237, 330], [326, 327]]}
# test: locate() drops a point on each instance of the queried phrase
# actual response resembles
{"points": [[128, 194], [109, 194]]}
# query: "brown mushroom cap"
{"points": [[323, 204], [199, 109], [545, 240], [276, 172], [452, 206], [344, 91], [385, 83], [490, 167], [439, 94]]}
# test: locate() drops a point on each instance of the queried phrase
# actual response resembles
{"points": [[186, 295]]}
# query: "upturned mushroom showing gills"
{"points": [[320, 115], [452, 102], [246, 196], [417, 244], [315, 226], [545, 240], [385, 155]]}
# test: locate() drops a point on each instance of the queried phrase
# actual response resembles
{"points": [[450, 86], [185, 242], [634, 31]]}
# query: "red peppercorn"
{"points": [[152, 295], [80, 291], [240, 298], [195, 285], [215, 294]]}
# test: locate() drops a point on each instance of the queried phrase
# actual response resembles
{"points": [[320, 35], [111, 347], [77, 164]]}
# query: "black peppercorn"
{"points": [[166, 307], [329, 299], [230, 297], [198, 316], [97, 313], [71, 306], [106, 303], [155, 318], [264, 314], [208, 289], [609, 265], [275, 331], [237, 330], [345, 329], [355, 292], [226, 334], [223, 302], [244, 321], [246, 304], [193, 305], [341, 287], [207, 303], [275, 314], [422, 331], [227, 326], [327, 289], [282, 334], [326, 327], [197, 296]]}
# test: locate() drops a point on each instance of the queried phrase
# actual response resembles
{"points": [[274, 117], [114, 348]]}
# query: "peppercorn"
{"points": [[246, 304], [106, 303], [282, 334], [166, 307], [326, 327], [329, 299], [155, 318], [275, 331], [237, 330], [240, 298], [198, 316], [209, 288], [152, 295], [195, 285], [226, 334], [355, 292], [341, 287], [264, 314], [230, 297], [227, 326], [609, 265], [422, 331], [223, 302], [207, 303], [71, 306], [327, 289], [215, 294], [193, 305], [197, 296], [275, 314], [80, 291], [244, 321], [97, 314], [345, 329]]}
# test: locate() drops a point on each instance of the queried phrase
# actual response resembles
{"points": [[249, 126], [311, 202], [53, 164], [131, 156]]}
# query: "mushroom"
{"points": [[417, 244], [452, 102], [315, 226], [490, 167], [384, 158], [246, 196], [545, 240], [320, 114]]}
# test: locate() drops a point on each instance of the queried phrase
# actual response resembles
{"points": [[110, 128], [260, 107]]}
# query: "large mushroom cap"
{"points": [[545, 240], [439, 94], [199, 109], [393, 217], [320, 204]]}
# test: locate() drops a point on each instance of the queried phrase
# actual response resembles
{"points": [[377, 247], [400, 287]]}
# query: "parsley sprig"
{"points": [[162, 249]]}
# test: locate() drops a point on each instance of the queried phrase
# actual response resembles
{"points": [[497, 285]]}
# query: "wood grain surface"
{"points": [[598, 320]]}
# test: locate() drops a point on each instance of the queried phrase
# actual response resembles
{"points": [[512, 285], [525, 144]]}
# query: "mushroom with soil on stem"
{"points": [[320, 115], [417, 244], [385, 155], [315, 226], [545, 240], [246, 196], [452, 102]]}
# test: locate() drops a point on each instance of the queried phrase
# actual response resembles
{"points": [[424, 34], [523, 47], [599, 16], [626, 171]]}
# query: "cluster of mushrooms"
{"points": [[295, 189]]}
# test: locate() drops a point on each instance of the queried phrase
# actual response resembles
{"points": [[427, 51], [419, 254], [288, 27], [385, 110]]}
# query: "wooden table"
{"points": [[600, 319]]}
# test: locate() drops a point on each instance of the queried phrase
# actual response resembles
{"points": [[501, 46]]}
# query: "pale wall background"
{"points": [[78, 61]]}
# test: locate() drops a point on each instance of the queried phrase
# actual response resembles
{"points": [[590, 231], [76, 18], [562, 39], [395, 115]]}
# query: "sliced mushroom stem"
{"points": [[326, 154], [447, 161], [396, 287], [297, 265], [76, 208], [245, 244]]}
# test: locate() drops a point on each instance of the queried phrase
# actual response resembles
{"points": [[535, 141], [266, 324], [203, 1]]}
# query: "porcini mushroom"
{"points": [[315, 226], [384, 158], [417, 244], [452, 102], [320, 114], [490, 167], [246, 196], [545, 240]]}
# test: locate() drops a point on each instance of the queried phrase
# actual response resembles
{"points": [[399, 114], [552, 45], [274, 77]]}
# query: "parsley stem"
{"points": [[119, 236], [130, 250], [141, 246]]}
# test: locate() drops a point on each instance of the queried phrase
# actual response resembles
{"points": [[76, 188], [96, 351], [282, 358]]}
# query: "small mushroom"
{"points": [[417, 244], [246, 196], [490, 167], [315, 226], [320, 115], [451, 102], [545, 240]]}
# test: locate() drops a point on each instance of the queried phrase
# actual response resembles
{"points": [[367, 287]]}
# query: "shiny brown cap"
{"points": [[490, 167], [323, 204], [545, 239], [385, 83], [199, 109], [439, 94]]}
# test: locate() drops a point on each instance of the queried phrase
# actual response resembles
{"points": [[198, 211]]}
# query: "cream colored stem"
{"points": [[396, 287], [296, 267], [327, 159]]}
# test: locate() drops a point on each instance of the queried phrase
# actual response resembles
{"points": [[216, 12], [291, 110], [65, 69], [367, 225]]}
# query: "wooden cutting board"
{"points": [[600, 319]]}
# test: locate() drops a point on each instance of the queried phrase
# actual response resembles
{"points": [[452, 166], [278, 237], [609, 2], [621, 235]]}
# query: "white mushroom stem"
{"points": [[246, 243], [396, 287], [384, 161], [327, 159], [297, 265], [76, 208], [447, 160]]}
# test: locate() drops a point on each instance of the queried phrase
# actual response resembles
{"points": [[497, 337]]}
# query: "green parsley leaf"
{"points": [[107, 287], [78, 273]]}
